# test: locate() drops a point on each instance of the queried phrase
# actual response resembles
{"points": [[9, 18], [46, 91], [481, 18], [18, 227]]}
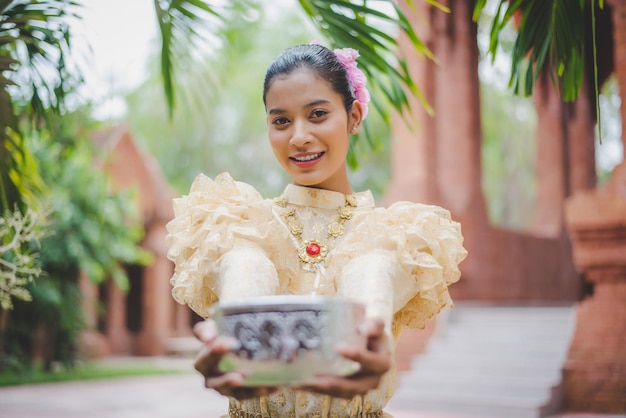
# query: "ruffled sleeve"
{"points": [[429, 249], [219, 224], [419, 248]]}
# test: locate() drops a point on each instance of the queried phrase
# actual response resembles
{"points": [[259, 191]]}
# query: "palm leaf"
{"points": [[36, 35], [186, 26], [550, 39], [34, 43]]}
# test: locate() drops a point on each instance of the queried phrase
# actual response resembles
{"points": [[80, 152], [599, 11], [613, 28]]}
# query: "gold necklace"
{"points": [[310, 251]]}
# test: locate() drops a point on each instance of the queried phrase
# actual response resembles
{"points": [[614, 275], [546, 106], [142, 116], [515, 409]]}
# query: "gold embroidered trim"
{"points": [[236, 412]]}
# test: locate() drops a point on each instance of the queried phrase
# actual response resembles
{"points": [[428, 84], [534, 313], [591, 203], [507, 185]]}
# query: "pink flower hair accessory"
{"points": [[347, 57]]}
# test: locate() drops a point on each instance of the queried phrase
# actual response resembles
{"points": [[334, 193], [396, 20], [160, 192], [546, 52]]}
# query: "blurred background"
{"points": [[110, 109]]}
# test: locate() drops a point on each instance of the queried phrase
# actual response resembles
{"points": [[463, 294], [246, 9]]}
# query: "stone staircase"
{"points": [[490, 361]]}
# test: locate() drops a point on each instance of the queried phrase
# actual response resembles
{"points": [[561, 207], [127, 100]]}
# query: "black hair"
{"points": [[317, 58]]}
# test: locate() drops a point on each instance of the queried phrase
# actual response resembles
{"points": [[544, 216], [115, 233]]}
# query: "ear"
{"points": [[355, 117]]}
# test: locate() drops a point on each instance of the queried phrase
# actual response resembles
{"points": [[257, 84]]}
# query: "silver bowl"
{"points": [[289, 339]]}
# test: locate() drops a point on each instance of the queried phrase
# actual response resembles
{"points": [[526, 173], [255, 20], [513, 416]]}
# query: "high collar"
{"points": [[322, 198]]}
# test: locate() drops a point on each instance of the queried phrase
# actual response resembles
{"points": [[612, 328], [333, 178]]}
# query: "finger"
{"points": [[204, 362], [225, 382], [370, 362], [231, 384], [374, 330], [205, 331], [343, 387], [372, 326], [211, 354]]}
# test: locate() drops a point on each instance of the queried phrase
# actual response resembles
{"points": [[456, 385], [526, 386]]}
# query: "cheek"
{"points": [[277, 141]]}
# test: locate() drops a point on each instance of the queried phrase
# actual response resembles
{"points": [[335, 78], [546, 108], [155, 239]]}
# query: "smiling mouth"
{"points": [[306, 158]]}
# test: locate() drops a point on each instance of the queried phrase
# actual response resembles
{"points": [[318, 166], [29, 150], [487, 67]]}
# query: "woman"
{"points": [[318, 237]]}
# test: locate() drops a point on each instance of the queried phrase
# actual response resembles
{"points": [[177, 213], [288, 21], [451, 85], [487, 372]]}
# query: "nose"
{"points": [[300, 135]]}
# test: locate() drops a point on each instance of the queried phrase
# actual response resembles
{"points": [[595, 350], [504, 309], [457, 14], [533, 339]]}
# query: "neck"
{"points": [[336, 184], [346, 191]]}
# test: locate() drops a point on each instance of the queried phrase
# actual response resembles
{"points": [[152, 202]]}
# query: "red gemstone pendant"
{"points": [[313, 249]]}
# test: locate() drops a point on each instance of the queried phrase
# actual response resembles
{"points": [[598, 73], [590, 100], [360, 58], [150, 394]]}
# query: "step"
{"points": [[465, 410], [479, 395], [495, 366], [489, 362], [462, 380]]}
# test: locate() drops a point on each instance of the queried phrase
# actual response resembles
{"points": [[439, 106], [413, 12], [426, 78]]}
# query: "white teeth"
{"points": [[308, 157]]}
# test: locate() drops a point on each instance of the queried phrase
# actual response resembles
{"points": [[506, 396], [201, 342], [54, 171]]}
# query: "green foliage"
{"points": [[34, 46], [81, 372], [19, 239], [34, 82], [93, 229], [190, 22], [225, 131], [49, 325], [550, 40], [508, 157], [19, 179]]}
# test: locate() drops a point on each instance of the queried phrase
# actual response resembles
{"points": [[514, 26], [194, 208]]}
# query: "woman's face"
{"points": [[309, 129]]}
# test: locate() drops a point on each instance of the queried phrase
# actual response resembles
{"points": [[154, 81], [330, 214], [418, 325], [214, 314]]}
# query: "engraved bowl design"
{"points": [[288, 339]]}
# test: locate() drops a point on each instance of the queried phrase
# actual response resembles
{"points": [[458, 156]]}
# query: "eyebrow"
{"points": [[314, 103]]}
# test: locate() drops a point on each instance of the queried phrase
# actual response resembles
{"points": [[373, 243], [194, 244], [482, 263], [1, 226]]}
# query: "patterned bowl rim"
{"points": [[282, 303]]}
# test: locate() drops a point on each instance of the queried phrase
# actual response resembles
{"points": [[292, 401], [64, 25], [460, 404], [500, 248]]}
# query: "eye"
{"points": [[318, 113], [280, 121]]}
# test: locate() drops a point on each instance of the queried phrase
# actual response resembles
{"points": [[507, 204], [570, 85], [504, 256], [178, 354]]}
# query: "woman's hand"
{"points": [[213, 349], [375, 361]]}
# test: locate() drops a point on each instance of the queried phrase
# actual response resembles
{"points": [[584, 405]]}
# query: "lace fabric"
{"points": [[228, 242], [234, 412]]}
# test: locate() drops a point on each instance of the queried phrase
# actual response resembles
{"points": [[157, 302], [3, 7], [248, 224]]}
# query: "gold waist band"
{"points": [[235, 412]]}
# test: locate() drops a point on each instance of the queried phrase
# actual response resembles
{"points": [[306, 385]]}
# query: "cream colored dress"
{"points": [[227, 242]]}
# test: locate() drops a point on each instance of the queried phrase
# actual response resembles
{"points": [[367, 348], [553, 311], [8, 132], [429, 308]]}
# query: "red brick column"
{"points": [[595, 372], [439, 162], [157, 302], [182, 324], [92, 343], [565, 153], [117, 333], [414, 150], [551, 176]]}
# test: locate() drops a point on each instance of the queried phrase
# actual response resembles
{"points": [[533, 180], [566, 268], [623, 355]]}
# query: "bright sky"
{"points": [[121, 36]]}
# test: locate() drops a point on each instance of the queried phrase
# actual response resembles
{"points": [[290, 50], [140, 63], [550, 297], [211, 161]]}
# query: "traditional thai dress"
{"points": [[228, 242]]}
